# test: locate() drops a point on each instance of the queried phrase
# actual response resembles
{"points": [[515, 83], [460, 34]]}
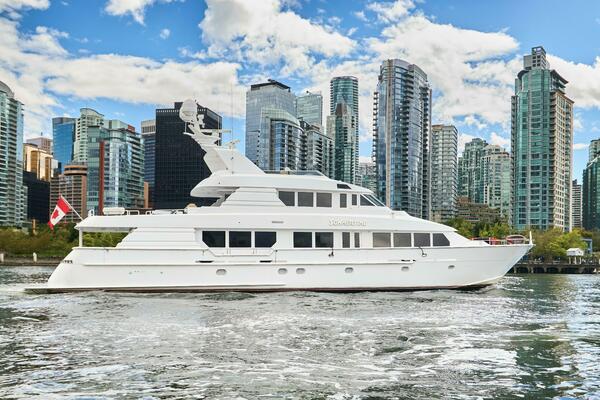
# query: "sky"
{"points": [[125, 58]]}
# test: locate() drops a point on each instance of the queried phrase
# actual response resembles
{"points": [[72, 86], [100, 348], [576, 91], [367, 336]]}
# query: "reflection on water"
{"points": [[534, 336]]}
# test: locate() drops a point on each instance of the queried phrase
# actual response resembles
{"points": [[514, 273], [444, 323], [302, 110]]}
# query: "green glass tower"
{"points": [[542, 146], [470, 171], [342, 125]]}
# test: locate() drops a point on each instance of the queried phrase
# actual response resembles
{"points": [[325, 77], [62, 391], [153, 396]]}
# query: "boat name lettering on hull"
{"points": [[346, 222]]}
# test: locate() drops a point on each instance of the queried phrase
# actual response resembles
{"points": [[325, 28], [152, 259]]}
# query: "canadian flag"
{"points": [[61, 209]]}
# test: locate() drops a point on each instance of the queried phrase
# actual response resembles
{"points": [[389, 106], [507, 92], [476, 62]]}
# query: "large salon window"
{"points": [[343, 200], [214, 238], [302, 239], [346, 240], [402, 240], [240, 239], [422, 239], [323, 199], [323, 239], [288, 198], [439, 239], [264, 239], [365, 202], [381, 239], [305, 199]]}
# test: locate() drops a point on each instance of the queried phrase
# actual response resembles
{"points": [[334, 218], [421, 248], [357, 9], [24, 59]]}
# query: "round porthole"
{"points": [[282, 271], [221, 271], [349, 270], [300, 271], [405, 268], [450, 266]]}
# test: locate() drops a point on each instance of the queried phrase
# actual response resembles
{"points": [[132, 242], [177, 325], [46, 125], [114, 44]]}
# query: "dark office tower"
{"points": [[38, 197], [179, 161]]}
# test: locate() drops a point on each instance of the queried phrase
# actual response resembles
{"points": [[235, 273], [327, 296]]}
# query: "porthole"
{"points": [[405, 268], [221, 271], [450, 266], [282, 271], [349, 270], [300, 271]]}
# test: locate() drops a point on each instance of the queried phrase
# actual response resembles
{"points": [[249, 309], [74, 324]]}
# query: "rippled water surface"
{"points": [[535, 336]]}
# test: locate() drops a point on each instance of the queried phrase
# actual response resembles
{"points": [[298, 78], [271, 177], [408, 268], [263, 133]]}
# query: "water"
{"points": [[530, 337]]}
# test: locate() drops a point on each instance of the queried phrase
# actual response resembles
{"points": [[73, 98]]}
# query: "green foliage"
{"points": [[464, 227], [51, 243], [498, 229], [554, 243]]}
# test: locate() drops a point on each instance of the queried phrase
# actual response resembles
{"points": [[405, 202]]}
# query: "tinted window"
{"points": [[345, 240], [302, 239], [342, 186], [375, 200], [264, 239], [401, 239], [356, 239], [214, 238], [323, 199], [287, 198], [305, 199], [354, 200], [343, 200], [439, 239], [240, 239], [324, 239], [381, 239], [365, 202], [422, 240]]}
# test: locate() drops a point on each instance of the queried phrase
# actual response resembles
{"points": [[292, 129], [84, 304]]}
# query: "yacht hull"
{"points": [[120, 269]]}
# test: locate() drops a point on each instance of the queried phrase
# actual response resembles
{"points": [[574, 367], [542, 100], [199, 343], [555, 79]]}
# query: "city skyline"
{"points": [[48, 52]]}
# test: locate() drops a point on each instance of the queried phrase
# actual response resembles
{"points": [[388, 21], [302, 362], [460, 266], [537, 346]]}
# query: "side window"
{"points": [[381, 239], [346, 240], [422, 239], [240, 239], [354, 200], [264, 239], [214, 238], [402, 240], [365, 202], [288, 198], [357, 239], [305, 199], [323, 199], [343, 200], [324, 239], [302, 239], [439, 239]]}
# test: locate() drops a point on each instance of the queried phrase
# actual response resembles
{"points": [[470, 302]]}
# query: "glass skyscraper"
{"points": [[444, 172], [342, 126], [271, 95], [309, 108], [88, 117], [402, 137], [576, 206], [496, 179], [470, 171], [13, 194], [317, 149], [542, 141]]}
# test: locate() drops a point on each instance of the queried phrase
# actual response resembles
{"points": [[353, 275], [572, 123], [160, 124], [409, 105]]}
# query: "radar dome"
{"points": [[188, 111]]}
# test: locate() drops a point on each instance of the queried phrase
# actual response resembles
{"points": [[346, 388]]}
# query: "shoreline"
{"points": [[27, 262]]}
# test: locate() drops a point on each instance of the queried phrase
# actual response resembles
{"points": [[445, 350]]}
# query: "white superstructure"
{"points": [[284, 231]]}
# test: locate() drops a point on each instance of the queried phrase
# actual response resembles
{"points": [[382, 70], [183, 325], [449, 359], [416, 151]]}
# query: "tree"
{"points": [[464, 227]]}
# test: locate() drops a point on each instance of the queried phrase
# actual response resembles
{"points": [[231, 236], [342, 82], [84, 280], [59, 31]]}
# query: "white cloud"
{"points": [[361, 15], [365, 159], [472, 120], [580, 146], [577, 124], [499, 140], [16, 5], [165, 33], [391, 11], [584, 80], [136, 8], [263, 34]]}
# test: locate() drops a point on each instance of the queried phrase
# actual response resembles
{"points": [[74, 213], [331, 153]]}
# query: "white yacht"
{"points": [[275, 232]]}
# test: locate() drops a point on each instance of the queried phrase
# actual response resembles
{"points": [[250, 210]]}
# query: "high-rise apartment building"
{"points": [[496, 178], [149, 136], [115, 161], [283, 133], [179, 161], [576, 206], [470, 172], [309, 108], [41, 142], [367, 176], [402, 137], [444, 172], [590, 189], [271, 95], [542, 146], [72, 185], [13, 194], [317, 150], [87, 118], [63, 139], [38, 161], [342, 126]]}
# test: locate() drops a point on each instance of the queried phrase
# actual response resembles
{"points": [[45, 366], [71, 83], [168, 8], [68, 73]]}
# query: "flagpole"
{"points": [[71, 207]]}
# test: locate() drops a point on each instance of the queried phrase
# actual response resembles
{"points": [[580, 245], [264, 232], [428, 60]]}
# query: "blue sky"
{"points": [[126, 57]]}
